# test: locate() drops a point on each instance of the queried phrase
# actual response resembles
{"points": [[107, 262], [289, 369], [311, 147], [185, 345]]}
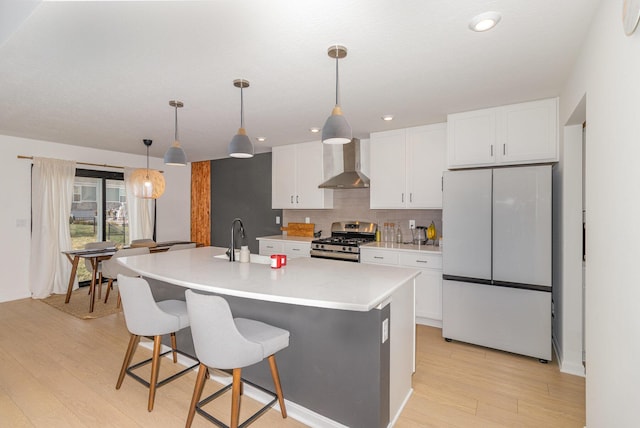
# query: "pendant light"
{"points": [[336, 129], [240, 145], [147, 183], [175, 155]]}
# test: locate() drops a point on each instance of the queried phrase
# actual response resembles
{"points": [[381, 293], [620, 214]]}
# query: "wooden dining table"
{"points": [[95, 256]]}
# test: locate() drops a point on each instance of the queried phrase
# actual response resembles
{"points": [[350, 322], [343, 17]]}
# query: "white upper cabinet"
{"points": [[296, 173], [406, 167], [514, 134]]}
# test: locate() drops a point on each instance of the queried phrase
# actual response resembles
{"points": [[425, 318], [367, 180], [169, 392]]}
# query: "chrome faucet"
{"points": [[232, 247]]}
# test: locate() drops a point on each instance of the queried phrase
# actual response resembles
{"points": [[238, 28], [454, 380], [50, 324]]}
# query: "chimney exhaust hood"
{"points": [[352, 177]]}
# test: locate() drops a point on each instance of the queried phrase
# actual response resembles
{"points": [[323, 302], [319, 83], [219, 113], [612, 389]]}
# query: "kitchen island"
{"points": [[352, 346]]}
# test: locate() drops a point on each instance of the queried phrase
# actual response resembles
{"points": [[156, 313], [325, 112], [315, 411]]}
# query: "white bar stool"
{"points": [[225, 343], [146, 317]]}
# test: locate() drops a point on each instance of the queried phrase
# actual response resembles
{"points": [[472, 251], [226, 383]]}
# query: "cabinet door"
{"points": [[309, 175], [471, 137], [528, 132], [388, 163], [426, 160], [283, 177], [429, 295]]}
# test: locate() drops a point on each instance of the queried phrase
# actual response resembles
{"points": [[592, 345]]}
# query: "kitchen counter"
{"points": [[340, 368], [404, 247], [304, 281]]}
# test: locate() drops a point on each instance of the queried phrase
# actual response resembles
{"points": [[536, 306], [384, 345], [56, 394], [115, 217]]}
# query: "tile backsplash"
{"points": [[353, 204]]}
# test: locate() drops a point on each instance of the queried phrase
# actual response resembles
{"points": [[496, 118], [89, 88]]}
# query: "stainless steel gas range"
{"points": [[345, 240]]}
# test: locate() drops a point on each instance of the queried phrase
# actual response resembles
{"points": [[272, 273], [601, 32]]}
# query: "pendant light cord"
{"points": [[241, 106], [176, 133], [337, 81], [147, 162]]}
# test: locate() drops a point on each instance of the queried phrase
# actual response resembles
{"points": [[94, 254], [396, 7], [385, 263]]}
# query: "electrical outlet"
{"points": [[412, 224], [307, 220], [385, 330], [277, 219]]}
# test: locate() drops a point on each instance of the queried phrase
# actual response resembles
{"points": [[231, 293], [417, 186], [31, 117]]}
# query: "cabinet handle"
{"points": [[411, 197], [297, 199], [269, 246], [504, 149], [378, 257], [402, 197], [295, 249], [292, 199], [422, 261], [492, 150]]}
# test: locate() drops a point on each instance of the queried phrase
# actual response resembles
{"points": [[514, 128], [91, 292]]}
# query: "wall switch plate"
{"points": [[277, 219], [412, 224], [385, 330], [307, 220]]}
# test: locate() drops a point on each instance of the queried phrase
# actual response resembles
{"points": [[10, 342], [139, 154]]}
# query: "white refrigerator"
{"points": [[497, 258]]}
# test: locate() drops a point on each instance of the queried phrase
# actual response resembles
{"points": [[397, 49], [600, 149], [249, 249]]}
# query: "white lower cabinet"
{"points": [[292, 249], [297, 249], [428, 296], [271, 247]]}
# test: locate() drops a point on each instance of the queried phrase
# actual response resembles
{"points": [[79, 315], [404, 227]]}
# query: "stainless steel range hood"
{"points": [[352, 177]]}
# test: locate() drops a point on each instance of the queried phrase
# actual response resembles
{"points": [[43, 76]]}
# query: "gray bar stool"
{"points": [[226, 343], [146, 317]]}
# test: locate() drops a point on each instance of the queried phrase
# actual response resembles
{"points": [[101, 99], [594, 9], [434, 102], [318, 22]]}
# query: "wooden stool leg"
{"points": [[155, 368], [119, 301], [235, 398], [131, 349], [276, 382], [203, 374], [174, 347]]}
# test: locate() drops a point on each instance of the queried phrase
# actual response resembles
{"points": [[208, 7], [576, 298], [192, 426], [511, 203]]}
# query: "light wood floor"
{"points": [[59, 371]]}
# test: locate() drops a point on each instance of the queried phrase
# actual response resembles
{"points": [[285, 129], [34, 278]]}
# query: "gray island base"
{"points": [[338, 364]]}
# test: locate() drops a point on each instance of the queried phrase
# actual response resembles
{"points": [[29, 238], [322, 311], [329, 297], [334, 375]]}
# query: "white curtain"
{"points": [[139, 211], [51, 197]]}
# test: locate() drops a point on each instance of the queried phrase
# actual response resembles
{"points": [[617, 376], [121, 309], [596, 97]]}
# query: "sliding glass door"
{"points": [[98, 211]]}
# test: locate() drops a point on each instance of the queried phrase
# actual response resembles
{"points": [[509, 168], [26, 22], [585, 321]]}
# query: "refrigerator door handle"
{"points": [[467, 279]]}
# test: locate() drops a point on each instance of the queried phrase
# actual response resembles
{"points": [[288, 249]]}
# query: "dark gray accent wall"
{"points": [[242, 188]]}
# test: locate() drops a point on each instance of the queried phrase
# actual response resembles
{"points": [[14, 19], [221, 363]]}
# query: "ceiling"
{"points": [[101, 74]]}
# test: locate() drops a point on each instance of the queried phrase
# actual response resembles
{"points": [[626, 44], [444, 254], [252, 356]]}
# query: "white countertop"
{"points": [[284, 237], [404, 247], [303, 281]]}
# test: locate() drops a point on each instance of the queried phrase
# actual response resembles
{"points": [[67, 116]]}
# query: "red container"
{"points": [[276, 261], [283, 259]]}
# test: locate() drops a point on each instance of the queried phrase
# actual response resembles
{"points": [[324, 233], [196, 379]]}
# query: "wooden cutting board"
{"points": [[299, 229]]}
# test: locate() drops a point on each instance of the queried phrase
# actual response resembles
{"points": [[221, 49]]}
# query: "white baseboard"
{"points": [[397, 415], [569, 367], [429, 321], [294, 411]]}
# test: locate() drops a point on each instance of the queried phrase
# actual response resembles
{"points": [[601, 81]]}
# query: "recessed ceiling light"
{"points": [[261, 139], [314, 130], [387, 117], [485, 21]]}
